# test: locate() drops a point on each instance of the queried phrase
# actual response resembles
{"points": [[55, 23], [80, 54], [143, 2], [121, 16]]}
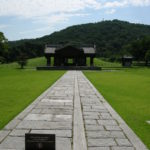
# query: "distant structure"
{"points": [[127, 61], [69, 55]]}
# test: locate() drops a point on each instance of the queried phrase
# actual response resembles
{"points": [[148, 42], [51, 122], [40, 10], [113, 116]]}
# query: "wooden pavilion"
{"points": [[69, 55], [127, 61], [69, 58]]}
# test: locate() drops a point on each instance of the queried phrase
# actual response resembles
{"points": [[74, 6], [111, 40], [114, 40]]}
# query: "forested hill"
{"points": [[110, 37]]}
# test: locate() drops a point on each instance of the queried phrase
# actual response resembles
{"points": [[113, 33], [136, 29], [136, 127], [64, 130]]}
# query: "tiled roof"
{"points": [[52, 49]]}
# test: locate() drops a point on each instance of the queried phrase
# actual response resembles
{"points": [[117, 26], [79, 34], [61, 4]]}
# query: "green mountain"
{"points": [[110, 38]]}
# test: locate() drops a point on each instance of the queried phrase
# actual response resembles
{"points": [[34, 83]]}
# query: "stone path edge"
{"points": [[16, 120], [138, 144], [79, 139]]}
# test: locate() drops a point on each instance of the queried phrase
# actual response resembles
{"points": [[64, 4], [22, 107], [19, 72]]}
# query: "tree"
{"points": [[147, 57], [140, 49], [3, 47], [2, 60], [22, 60], [137, 50]]}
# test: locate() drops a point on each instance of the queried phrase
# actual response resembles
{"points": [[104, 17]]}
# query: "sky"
{"points": [[24, 19]]}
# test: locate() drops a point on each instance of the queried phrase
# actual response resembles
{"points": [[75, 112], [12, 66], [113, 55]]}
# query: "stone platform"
{"points": [[79, 116], [68, 68]]}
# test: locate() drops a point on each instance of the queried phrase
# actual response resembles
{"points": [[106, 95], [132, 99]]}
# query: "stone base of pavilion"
{"points": [[68, 68]]}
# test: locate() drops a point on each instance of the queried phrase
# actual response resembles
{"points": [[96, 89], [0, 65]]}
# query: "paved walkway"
{"points": [[78, 115]]}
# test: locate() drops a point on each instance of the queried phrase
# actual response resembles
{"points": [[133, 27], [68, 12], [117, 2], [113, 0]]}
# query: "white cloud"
{"points": [[35, 30], [57, 18], [53, 12], [2, 26], [50, 12], [115, 4], [139, 2], [111, 11], [37, 8], [124, 3], [50, 21]]}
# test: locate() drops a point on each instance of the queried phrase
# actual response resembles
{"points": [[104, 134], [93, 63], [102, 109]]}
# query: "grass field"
{"points": [[128, 91], [105, 64], [32, 63], [18, 88]]}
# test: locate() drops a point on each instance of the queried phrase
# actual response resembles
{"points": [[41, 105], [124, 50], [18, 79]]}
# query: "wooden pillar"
{"points": [[91, 61], [85, 61], [54, 60], [76, 63], [48, 61]]}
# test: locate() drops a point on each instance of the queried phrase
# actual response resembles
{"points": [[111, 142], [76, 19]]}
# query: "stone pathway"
{"points": [[78, 115]]}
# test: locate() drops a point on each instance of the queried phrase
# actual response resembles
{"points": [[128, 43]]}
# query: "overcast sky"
{"points": [[21, 19]]}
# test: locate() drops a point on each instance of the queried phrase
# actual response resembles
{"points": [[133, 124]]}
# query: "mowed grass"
{"points": [[104, 64], [18, 88], [128, 91], [31, 63]]}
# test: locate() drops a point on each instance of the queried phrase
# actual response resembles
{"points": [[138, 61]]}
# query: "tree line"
{"points": [[113, 40], [140, 49], [13, 52]]}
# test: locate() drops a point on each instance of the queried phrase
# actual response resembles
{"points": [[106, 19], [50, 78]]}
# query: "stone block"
{"points": [[101, 142]]}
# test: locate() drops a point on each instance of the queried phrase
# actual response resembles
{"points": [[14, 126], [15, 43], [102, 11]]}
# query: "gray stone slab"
{"points": [[123, 142], [95, 110], [85, 113], [93, 122], [122, 148], [94, 127], [105, 134], [13, 143], [36, 111], [117, 134], [44, 125], [17, 133], [63, 144], [105, 116], [44, 106], [49, 117], [57, 111], [7, 149], [99, 148], [58, 97], [107, 122], [89, 117], [112, 128], [98, 134], [57, 101], [101, 142], [58, 133]]}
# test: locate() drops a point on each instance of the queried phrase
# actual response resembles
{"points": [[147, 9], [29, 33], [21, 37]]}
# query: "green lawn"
{"points": [[128, 91], [104, 64], [18, 88], [32, 63]]}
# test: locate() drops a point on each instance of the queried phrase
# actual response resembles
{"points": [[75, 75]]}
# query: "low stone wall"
{"points": [[68, 68]]}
